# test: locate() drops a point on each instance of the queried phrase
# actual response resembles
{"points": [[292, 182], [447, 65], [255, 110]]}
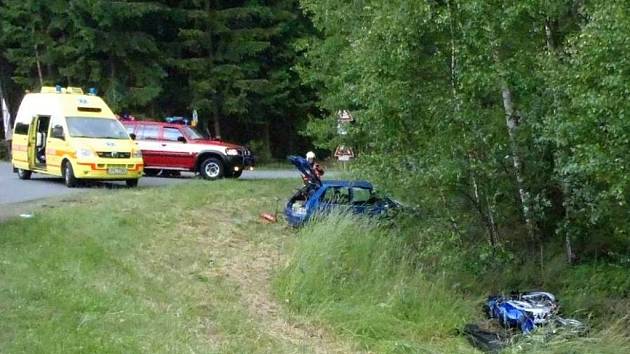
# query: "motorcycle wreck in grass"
{"points": [[520, 318], [321, 197]]}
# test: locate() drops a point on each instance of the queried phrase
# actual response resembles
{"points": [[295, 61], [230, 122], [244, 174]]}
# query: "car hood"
{"points": [[215, 143], [305, 169]]}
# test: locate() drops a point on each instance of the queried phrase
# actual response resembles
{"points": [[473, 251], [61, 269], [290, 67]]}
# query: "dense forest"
{"points": [[502, 121], [230, 60]]}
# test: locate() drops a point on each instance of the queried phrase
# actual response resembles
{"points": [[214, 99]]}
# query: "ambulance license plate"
{"points": [[117, 171]]}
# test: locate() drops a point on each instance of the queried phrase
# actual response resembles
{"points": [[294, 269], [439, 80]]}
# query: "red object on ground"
{"points": [[268, 218]]}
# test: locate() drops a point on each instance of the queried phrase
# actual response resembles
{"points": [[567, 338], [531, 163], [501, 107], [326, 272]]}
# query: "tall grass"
{"points": [[366, 282], [359, 279]]}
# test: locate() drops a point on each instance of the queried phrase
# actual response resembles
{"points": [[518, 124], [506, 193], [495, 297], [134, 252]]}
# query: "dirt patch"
{"points": [[250, 264], [252, 269]]}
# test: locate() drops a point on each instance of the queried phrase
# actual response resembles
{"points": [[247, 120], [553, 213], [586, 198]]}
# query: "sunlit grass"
{"points": [[136, 271]]}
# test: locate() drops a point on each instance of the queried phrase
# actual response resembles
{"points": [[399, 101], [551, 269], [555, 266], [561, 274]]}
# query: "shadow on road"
{"points": [[81, 184]]}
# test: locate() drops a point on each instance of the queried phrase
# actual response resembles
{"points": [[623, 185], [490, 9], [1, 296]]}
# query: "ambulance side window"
{"points": [[57, 132], [21, 128]]}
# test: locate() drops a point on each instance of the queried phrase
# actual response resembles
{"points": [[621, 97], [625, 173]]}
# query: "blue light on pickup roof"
{"points": [[92, 91]]}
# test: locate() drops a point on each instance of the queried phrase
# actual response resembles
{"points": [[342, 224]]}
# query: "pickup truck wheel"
{"points": [[68, 175], [236, 174], [131, 183], [211, 168], [23, 174]]}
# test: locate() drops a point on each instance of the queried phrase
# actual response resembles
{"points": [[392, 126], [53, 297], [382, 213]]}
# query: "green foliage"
{"points": [[427, 83], [88, 44], [590, 131]]}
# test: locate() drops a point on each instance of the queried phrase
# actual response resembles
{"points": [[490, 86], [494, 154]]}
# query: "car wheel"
{"points": [[131, 183], [23, 174], [151, 172], [68, 175], [211, 168]]}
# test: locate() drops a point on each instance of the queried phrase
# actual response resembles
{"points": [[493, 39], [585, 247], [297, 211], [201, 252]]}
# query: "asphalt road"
{"points": [[15, 191]]}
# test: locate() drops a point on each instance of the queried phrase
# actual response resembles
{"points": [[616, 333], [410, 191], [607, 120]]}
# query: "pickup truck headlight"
{"points": [[231, 152], [85, 153], [136, 154]]}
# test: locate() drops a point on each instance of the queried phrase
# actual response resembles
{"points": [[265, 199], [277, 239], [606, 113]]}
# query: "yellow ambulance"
{"points": [[64, 132]]}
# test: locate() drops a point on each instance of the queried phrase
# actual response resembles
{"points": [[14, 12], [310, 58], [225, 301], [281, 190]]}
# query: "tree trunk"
{"points": [[215, 101], [486, 218], [512, 122], [216, 119], [267, 139], [290, 147], [551, 51], [39, 67], [112, 83]]}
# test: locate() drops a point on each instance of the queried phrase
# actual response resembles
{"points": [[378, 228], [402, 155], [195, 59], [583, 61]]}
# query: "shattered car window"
{"points": [[361, 195], [337, 195]]}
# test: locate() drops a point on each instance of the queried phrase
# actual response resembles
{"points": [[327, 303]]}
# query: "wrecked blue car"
{"points": [[319, 197]]}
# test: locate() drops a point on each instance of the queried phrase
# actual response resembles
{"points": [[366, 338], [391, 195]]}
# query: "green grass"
{"points": [[189, 268], [144, 271]]}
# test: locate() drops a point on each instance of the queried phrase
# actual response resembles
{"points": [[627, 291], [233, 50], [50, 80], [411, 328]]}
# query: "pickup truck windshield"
{"points": [[99, 128], [192, 133]]}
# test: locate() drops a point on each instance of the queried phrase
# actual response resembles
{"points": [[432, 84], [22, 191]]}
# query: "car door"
{"points": [[56, 146], [177, 153], [31, 149], [148, 138], [334, 198], [361, 198]]}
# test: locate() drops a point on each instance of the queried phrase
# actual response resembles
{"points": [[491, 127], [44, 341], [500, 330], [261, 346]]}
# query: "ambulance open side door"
{"points": [[31, 147]]}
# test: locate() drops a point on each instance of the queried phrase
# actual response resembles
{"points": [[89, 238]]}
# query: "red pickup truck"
{"points": [[177, 147]]}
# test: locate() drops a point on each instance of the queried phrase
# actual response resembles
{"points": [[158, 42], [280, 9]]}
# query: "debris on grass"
{"points": [[521, 317], [268, 218]]}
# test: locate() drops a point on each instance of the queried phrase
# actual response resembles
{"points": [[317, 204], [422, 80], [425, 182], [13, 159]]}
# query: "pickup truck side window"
{"points": [[148, 132], [172, 134]]}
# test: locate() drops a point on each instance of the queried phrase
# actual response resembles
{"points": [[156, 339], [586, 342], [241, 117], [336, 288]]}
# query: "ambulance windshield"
{"points": [[99, 128]]}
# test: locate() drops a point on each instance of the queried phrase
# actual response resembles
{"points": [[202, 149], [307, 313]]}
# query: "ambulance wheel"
{"points": [[68, 175], [131, 183], [211, 168], [24, 174]]}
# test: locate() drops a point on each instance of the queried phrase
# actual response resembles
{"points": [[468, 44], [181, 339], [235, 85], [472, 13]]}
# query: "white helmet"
{"points": [[310, 155]]}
